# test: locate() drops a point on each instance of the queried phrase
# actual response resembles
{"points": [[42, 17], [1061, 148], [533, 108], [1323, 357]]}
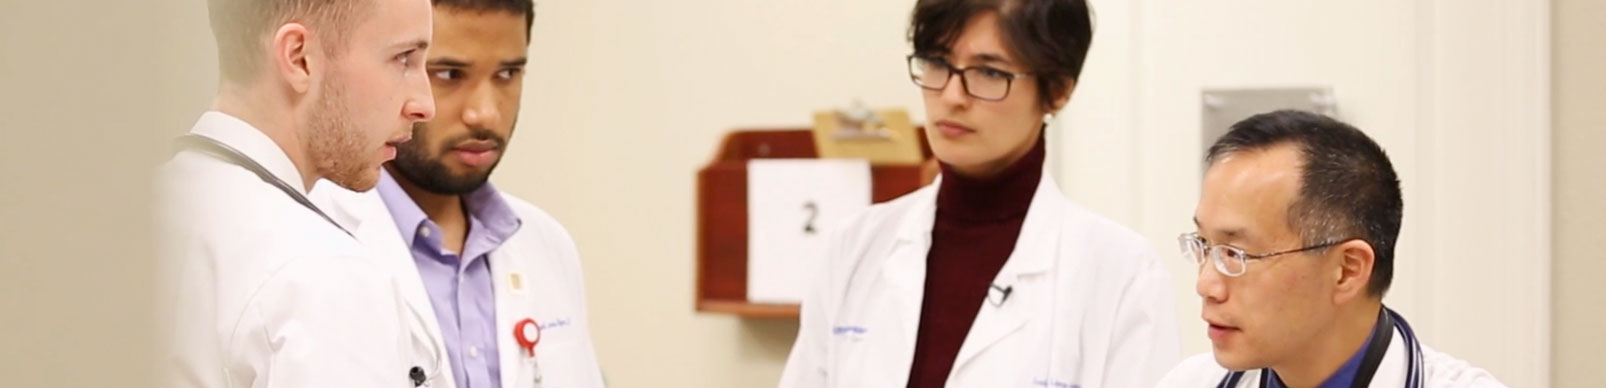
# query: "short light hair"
{"points": [[244, 28]]}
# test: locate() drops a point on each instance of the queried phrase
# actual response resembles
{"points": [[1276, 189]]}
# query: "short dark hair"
{"points": [[244, 27], [1050, 36], [1348, 188], [516, 7]]}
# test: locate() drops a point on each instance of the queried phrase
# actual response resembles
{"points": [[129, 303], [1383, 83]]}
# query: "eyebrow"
{"points": [[1231, 233], [448, 62], [420, 44], [458, 63], [990, 58]]}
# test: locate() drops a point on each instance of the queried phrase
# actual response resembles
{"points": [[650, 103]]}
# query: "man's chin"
{"points": [[463, 172], [467, 178], [452, 184], [1234, 360], [358, 182]]}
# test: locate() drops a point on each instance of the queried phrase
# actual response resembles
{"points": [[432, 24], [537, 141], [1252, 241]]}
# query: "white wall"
{"points": [[1456, 91]]}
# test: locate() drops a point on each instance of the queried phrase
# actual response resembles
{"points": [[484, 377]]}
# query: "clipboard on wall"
{"points": [[883, 136]]}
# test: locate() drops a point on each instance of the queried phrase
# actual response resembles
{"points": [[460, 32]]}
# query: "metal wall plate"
{"points": [[1223, 107]]}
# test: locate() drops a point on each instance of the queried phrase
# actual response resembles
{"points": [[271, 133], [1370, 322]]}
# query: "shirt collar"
{"points": [[408, 216], [1343, 377], [1007, 195], [249, 140], [485, 205]]}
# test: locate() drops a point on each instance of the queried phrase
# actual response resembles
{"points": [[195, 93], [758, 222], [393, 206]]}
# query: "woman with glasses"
{"points": [[989, 277]]}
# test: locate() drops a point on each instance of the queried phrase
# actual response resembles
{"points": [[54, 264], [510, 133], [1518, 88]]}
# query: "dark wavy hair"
{"points": [[1050, 37]]}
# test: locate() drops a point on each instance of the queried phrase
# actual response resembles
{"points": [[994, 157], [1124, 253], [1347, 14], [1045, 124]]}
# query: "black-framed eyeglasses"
{"points": [[982, 82], [1231, 260]]}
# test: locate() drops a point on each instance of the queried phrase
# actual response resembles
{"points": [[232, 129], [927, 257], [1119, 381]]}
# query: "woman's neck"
{"points": [[1005, 193]]}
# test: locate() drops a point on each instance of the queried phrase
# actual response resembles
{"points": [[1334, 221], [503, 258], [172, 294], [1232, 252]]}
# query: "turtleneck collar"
{"points": [[1005, 195]]}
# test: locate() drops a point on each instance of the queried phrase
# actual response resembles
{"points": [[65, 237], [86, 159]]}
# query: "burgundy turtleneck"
{"points": [[977, 222]]}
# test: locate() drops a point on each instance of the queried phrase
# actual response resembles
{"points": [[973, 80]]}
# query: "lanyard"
{"points": [[1382, 334], [215, 149]]}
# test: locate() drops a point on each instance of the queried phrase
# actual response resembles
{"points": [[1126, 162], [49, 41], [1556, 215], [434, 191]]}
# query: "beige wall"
{"points": [[1579, 98], [625, 100], [1399, 71], [84, 88]]}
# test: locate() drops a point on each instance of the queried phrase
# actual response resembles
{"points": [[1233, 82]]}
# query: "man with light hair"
{"points": [[264, 289]]}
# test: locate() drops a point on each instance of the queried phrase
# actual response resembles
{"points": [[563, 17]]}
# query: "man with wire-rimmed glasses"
{"points": [[1297, 223]]}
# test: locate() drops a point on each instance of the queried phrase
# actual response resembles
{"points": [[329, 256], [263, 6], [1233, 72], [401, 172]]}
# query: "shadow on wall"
{"points": [[772, 337]]}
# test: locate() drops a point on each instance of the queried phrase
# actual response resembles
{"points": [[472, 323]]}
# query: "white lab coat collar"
{"points": [[1439, 370], [249, 140], [915, 228], [369, 220], [1390, 371], [547, 249], [509, 356], [1034, 254]]}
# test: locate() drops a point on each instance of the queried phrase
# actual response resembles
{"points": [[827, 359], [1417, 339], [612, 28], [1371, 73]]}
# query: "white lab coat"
{"points": [[1439, 371], [1090, 305], [263, 292], [536, 274]]}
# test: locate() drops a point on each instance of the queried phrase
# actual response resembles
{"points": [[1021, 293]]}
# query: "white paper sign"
{"points": [[792, 204]]}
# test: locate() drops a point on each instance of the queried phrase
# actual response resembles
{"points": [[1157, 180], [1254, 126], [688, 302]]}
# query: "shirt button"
{"points": [[424, 231], [473, 352]]}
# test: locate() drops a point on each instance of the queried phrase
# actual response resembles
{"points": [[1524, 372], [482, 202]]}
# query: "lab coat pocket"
{"points": [[849, 346], [1007, 363], [862, 357], [1025, 358]]}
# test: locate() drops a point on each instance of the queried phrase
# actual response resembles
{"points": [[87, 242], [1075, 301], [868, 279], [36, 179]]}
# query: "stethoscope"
{"points": [[527, 332], [223, 152], [1382, 334], [437, 354]]}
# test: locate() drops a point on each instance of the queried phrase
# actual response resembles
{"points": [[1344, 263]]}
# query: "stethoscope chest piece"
{"points": [[417, 375]]}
